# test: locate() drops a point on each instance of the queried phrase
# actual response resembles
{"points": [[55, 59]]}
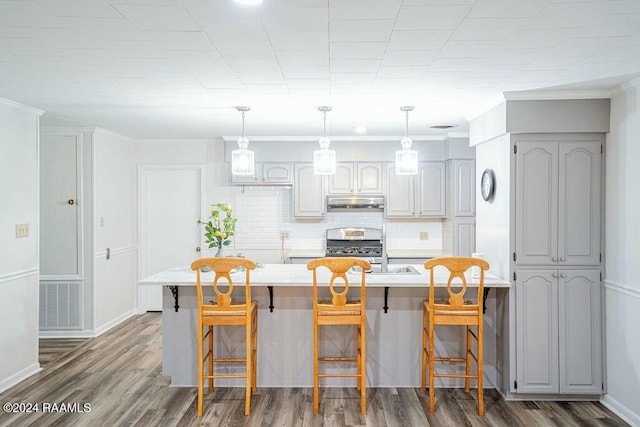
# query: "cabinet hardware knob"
{"points": [[554, 275], [554, 259], [70, 202], [563, 275], [562, 259], [198, 249]]}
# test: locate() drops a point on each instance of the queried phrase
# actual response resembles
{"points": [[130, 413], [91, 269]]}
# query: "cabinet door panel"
{"points": [[464, 192], [308, 192], [342, 181], [369, 178], [431, 189], [537, 203], [537, 331], [579, 203], [400, 193], [580, 332], [465, 235], [276, 173]]}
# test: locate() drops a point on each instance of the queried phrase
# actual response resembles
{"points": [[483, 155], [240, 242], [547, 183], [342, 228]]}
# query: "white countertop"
{"points": [[298, 275]]}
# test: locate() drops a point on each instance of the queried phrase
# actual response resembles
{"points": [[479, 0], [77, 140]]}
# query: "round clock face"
{"points": [[487, 184]]}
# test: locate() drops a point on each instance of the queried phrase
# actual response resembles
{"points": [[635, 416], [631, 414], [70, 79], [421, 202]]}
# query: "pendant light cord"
{"points": [[243, 124], [324, 126], [407, 121]]}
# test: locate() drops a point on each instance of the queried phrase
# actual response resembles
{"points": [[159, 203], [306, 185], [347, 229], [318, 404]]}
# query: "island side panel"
{"points": [[285, 340]]}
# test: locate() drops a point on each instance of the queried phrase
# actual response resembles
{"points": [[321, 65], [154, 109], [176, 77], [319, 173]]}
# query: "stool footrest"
{"points": [[339, 375], [449, 359], [337, 359], [224, 376], [455, 376], [230, 360]]}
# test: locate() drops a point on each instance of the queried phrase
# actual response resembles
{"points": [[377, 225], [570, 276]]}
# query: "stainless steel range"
{"points": [[367, 243]]}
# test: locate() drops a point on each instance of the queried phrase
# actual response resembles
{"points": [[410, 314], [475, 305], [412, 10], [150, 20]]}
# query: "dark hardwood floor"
{"points": [[119, 375]]}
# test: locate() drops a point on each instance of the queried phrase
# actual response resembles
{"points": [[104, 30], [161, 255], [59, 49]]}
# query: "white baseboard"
{"points": [[19, 376], [124, 316], [622, 411], [85, 333]]}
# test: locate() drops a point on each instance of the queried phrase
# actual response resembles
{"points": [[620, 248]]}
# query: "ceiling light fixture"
{"points": [[249, 2], [242, 160], [324, 160], [406, 159]]}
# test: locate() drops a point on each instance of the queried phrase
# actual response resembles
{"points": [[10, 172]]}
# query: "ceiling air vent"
{"points": [[442, 126]]}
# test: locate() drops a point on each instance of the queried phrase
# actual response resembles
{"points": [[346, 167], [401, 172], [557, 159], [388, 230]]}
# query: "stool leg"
{"points": [[248, 365], [316, 403], [432, 389], [210, 354], [363, 367], [200, 368], [467, 370], [358, 357], [255, 350], [424, 349], [480, 362]]}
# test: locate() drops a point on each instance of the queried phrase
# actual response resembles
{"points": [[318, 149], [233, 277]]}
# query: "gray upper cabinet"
{"points": [[309, 192], [558, 187], [416, 196], [357, 178], [431, 189], [267, 173], [559, 331], [463, 181]]}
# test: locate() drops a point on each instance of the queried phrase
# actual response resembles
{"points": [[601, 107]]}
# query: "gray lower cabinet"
{"points": [[558, 331]]}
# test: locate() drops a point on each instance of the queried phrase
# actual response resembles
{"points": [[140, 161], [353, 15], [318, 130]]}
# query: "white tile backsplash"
{"points": [[264, 212]]}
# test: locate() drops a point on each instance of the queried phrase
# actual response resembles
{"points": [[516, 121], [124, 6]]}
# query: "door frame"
{"points": [[143, 170]]}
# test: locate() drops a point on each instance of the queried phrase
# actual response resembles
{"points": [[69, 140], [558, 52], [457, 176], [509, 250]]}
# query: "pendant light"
{"points": [[406, 159], [324, 160], [242, 159]]}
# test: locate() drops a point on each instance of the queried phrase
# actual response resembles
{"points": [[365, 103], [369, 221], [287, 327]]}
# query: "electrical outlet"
{"points": [[284, 235], [424, 235], [22, 230]]}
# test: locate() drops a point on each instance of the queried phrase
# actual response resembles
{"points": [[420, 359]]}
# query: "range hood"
{"points": [[356, 203]]}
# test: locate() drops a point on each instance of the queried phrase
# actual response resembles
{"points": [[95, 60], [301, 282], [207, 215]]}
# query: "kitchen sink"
{"points": [[391, 269]]}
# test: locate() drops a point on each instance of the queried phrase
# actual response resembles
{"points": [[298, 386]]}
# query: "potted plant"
{"points": [[220, 227]]}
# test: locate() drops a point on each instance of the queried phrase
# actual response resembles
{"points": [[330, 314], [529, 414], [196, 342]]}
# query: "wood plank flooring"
{"points": [[119, 375]]}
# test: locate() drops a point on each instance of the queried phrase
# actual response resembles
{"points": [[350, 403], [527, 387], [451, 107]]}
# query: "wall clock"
{"points": [[487, 184]]}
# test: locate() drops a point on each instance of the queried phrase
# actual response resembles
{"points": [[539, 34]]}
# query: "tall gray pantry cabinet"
{"points": [[557, 257]]}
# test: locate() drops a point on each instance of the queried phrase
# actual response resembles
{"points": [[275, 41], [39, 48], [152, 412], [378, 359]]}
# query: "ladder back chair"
{"points": [[340, 311], [454, 311], [226, 312]]}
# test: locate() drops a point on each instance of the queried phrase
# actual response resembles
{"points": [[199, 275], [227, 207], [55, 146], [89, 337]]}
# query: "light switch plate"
{"points": [[22, 230], [424, 235]]}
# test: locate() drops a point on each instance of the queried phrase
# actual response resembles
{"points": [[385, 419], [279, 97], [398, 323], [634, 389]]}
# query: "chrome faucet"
{"points": [[385, 258]]}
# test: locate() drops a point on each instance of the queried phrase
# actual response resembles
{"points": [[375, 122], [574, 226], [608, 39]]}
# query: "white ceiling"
{"points": [[177, 68]]}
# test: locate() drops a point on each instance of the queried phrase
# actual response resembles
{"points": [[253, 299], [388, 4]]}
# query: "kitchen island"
{"points": [[285, 345]]}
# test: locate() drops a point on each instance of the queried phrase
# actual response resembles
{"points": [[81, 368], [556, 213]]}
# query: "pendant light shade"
{"points": [[324, 160], [242, 160], [406, 159]]}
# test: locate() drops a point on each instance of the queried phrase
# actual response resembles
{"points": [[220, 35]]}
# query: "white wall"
{"points": [[18, 257], [622, 289], [115, 216]]}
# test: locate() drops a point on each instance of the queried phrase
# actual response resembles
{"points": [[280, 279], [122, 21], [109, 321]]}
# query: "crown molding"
{"points": [[23, 107], [626, 86], [348, 138], [552, 95]]}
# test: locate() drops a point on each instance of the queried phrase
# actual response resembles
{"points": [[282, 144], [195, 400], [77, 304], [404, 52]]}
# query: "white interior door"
{"points": [[59, 230], [170, 203]]}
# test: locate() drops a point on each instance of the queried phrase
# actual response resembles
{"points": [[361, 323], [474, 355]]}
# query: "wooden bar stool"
{"points": [[225, 312], [454, 311], [340, 311]]}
